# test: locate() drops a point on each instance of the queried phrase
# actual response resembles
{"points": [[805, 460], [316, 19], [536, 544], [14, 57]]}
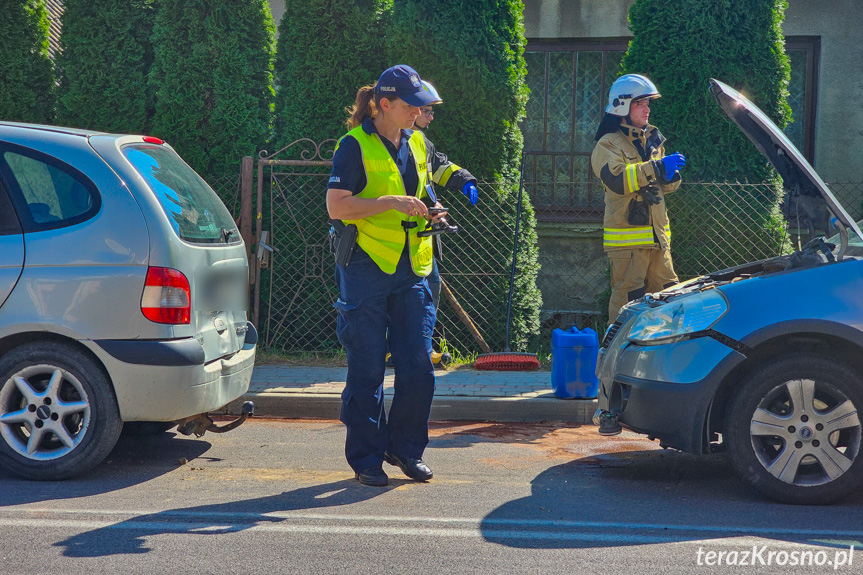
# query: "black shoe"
{"points": [[373, 476], [416, 469]]}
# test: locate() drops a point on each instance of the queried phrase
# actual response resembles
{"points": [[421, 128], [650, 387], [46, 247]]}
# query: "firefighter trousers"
{"points": [[635, 272]]}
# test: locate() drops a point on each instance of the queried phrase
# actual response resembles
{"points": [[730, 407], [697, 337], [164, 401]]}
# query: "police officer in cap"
{"points": [[377, 183]]}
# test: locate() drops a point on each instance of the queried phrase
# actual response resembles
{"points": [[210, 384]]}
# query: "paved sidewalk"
{"points": [[462, 394]]}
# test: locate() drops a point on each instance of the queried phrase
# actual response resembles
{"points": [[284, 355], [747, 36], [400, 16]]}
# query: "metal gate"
{"points": [[293, 280], [292, 276]]}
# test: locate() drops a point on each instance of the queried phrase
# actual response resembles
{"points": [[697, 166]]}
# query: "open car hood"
{"points": [[797, 175]]}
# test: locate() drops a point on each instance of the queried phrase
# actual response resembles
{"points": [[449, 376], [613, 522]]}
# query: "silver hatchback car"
{"points": [[123, 296]]}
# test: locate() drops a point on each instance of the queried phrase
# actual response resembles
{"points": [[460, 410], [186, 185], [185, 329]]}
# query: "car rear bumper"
{"points": [[158, 392]]}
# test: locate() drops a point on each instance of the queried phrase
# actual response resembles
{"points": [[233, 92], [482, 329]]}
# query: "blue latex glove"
{"points": [[469, 189], [673, 163]]}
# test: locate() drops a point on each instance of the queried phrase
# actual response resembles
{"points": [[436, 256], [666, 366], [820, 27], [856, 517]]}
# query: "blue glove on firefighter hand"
{"points": [[673, 163], [469, 189]]}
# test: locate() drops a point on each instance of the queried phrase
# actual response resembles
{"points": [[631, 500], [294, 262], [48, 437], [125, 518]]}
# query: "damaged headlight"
{"points": [[678, 318]]}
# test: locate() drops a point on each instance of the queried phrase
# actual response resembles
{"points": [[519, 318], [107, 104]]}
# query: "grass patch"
{"points": [[309, 359]]}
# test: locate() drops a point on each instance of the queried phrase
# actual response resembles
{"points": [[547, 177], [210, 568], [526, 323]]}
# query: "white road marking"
{"points": [[203, 522]]}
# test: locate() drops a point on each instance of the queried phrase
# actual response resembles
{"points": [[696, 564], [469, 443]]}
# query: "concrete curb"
{"points": [[444, 408]]}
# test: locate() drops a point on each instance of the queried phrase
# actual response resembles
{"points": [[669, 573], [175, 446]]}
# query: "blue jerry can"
{"points": [[573, 363]]}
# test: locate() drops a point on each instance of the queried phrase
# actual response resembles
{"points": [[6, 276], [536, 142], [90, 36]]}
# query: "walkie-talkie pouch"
{"points": [[638, 213]]}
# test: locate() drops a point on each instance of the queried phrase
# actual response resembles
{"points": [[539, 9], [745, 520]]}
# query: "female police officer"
{"points": [[378, 179]]}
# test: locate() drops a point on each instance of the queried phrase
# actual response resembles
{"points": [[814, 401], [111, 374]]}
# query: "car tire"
{"points": [[146, 428], [793, 430], [60, 393]]}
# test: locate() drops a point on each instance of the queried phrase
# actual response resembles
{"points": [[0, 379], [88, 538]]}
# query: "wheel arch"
{"points": [[829, 345], [18, 339], [80, 448]]}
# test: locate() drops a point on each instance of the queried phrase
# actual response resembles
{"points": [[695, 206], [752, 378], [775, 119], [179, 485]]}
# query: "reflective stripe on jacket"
{"points": [[627, 161], [444, 172], [629, 237], [382, 236]]}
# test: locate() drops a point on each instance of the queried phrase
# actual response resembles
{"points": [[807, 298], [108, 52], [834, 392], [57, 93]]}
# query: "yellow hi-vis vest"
{"points": [[382, 236]]}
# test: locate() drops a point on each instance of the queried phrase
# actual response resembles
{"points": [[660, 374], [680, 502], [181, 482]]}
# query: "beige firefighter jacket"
{"points": [[626, 161]]}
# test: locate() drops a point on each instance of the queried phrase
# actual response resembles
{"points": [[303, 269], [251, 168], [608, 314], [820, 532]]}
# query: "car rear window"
{"points": [[193, 208]]}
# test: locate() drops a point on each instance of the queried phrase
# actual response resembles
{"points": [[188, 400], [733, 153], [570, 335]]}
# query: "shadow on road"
{"points": [[134, 460], [129, 537], [642, 497]]}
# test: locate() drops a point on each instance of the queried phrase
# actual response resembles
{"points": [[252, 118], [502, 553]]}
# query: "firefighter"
{"points": [[376, 191], [630, 159]]}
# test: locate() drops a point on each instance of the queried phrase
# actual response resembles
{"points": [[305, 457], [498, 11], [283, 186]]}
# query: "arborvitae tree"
{"points": [[106, 57], [680, 46], [472, 51], [26, 72], [212, 77], [327, 50]]}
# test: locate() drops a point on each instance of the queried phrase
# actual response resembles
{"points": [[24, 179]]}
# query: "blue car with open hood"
{"points": [[762, 360]]}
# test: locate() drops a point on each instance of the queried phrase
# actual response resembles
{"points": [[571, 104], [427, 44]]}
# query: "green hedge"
{"points": [[26, 72], [680, 46], [102, 69], [212, 77], [472, 51], [326, 51]]}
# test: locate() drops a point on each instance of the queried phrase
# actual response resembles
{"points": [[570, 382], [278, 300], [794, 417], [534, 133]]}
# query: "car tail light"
{"points": [[166, 297]]}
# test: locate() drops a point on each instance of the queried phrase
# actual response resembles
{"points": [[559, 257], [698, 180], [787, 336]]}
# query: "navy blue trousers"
{"points": [[375, 311]]}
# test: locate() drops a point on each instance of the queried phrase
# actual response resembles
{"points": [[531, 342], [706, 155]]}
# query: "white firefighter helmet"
{"points": [[429, 88], [627, 89]]}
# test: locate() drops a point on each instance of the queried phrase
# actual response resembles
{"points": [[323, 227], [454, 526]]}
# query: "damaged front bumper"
{"points": [[662, 391]]}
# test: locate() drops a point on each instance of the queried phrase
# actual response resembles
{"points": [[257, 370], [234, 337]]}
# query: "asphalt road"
{"points": [[277, 497]]}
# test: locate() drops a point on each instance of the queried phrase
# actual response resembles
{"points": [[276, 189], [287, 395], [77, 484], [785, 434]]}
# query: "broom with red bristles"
{"points": [[510, 360]]}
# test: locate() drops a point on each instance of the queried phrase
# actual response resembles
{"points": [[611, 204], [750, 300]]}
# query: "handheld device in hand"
{"points": [[442, 226]]}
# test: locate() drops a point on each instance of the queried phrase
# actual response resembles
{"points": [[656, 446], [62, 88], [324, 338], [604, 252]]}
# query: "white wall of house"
{"points": [[839, 113], [277, 7]]}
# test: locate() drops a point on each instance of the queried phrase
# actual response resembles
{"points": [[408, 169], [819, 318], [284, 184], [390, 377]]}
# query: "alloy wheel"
{"points": [[806, 433], [44, 412]]}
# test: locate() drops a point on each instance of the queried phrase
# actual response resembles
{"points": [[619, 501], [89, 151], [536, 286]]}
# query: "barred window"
{"points": [[568, 84]]}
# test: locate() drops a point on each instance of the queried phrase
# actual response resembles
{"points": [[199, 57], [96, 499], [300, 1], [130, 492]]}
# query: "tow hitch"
{"points": [[200, 424]]}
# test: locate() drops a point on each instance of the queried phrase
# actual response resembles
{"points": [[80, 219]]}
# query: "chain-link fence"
{"points": [[228, 189], [714, 225], [850, 195], [298, 287]]}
